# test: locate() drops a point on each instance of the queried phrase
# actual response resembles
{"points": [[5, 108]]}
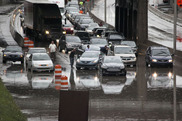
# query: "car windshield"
{"points": [[92, 48], [129, 43], [82, 34], [116, 36], [99, 41], [112, 60], [160, 52], [90, 54], [40, 57], [73, 39], [13, 49], [123, 50], [86, 21], [36, 51]]}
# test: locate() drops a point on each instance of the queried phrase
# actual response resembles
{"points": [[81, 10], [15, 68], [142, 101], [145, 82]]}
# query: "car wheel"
{"points": [[4, 61]]}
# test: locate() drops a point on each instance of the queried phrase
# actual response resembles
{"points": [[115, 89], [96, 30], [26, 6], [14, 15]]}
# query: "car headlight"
{"points": [[170, 60], [64, 32], [170, 74], [5, 55], [35, 64], [154, 75], [78, 60], [21, 56], [46, 32], [95, 61], [72, 29], [134, 59], [104, 67], [154, 60]]}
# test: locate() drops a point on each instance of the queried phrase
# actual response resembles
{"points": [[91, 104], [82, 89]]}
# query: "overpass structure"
{"points": [[132, 19]]}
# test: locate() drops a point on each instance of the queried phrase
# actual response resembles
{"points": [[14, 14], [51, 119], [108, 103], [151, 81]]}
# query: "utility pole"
{"points": [[175, 20], [105, 11]]}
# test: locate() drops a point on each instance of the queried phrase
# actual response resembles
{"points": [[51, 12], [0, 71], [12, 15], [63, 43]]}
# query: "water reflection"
{"points": [[40, 80], [14, 71], [87, 80], [159, 78]]}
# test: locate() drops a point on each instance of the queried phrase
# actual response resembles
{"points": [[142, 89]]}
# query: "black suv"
{"points": [[13, 53], [156, 56], [84, 36]]}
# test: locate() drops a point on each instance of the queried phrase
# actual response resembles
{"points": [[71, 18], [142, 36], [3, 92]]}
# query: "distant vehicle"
{"points": [[68, 28], [13, 53], [83, 24], [84, 36], [100, 42], [89, 59], [40, 62], [100, 32], [61, 5], [33, 50], [156, 55], [132, 44], [90, 28], [42, 19], [112, 65], [126, 54], [115, 38], [69, 42], [69, 10]]}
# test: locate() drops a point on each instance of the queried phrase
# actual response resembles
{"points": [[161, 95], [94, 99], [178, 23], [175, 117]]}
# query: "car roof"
{"points": [[36, 48], [39, 54], [13, 46], [158, 47]]}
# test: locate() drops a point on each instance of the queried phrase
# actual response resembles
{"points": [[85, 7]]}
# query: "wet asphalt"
{"points": [[145, 94]]}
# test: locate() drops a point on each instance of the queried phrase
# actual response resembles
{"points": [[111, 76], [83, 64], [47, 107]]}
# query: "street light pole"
{"points": [[175, 20], [105, 12]]}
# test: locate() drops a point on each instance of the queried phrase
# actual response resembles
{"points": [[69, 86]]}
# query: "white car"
{"points": [[40, 62], [126, 53], [33, 50]]}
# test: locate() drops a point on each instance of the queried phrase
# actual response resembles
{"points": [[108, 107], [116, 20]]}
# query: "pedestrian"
{"points": [[72, 55], [104, 50], [87, 48], [52, 50]]}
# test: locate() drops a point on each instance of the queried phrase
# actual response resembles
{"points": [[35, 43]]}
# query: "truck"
{"points": [[61, 5], [42, 20]]}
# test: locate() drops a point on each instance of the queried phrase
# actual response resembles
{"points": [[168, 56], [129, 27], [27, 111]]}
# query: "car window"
{"points": [[82, 34], [116, 36], [129, 43], [13, 49], [160, 52], [123, 50], [99, 41], [39, 57], [73, 39], [112, 60], [90, 54], [36, 51], [86, 21]]}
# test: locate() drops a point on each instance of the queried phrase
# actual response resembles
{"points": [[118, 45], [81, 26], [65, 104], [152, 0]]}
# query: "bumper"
{"points": [[128, 63], [120, 72], [95, 65], [43, 68], [161, 64], [13, 58]]}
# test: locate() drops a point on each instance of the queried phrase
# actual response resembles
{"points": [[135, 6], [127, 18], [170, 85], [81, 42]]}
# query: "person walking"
{"points": [[72, 56], [104, 50], [52, 51], [87, 48]]}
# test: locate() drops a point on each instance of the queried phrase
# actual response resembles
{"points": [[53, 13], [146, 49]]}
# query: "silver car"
{"points": [[112, 65], [40, 62]]}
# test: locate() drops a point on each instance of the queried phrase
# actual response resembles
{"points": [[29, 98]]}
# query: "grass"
{"points": [[8, 109]]}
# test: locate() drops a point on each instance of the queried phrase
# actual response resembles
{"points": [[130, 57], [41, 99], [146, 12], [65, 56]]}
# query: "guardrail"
{"points": [[164, 16], [17, 37]]}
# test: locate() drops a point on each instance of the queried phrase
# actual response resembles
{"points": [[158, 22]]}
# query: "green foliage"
{"points": [[8, 109]]}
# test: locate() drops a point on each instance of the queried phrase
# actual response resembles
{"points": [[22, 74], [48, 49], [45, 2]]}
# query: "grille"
{"points": [[162, 60]]}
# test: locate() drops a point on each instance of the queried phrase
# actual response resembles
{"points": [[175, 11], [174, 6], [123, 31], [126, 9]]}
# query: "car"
{"points": [[126, 54], [69, 42], [68, 28], [84, 36], [100, 42], [132, 44], [112, 65], [95, 29], [90, 28], [40, 62], [34, 50], [89, 59], [13, 53], [77, 17], [115, 38], [83, 24], [158, 56]]}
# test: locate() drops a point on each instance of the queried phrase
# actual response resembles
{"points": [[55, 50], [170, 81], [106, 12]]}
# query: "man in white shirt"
{"points": [[87, 48], [52, 50]]}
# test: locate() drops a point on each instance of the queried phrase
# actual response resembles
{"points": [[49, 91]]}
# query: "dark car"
{"points": [[113, 65], [156, 55], [84, 36], [115, 38], [13, 53], [69, 42], [89, 59]]}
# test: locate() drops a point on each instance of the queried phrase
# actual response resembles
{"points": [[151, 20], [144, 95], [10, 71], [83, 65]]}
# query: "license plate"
{"points": [[113, 69]]}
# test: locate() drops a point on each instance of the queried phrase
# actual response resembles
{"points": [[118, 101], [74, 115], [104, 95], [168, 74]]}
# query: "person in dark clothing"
{"points": [[104, 50], [72, 55]]}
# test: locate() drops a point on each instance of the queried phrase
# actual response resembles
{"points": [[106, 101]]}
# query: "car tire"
{"points": [[78, 68]]}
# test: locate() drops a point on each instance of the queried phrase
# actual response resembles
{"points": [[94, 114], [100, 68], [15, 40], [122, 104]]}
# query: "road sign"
{"points": [[179, 3]]}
